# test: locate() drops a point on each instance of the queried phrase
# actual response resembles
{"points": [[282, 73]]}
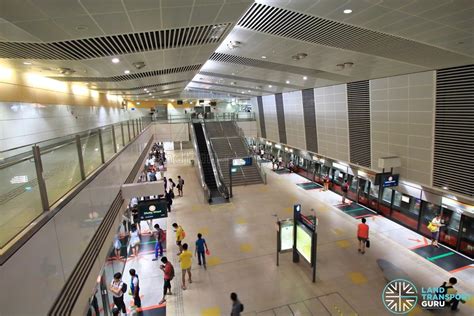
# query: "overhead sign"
{"points": [[390, 180], [247, 161], [151, 209]]}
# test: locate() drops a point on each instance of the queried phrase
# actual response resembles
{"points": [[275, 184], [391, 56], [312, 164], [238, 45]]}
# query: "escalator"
{"points": [[206, 164]]}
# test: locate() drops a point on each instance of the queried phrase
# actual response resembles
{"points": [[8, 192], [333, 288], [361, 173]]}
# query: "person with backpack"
{"points": [[135, 288], [180, 186], [160, 237], [362, 235], [237, 306], [345, 189], [168, 271], [201, 248], [448, 288], [172, 186], [117, 287], [180, 234], [169, 200]]}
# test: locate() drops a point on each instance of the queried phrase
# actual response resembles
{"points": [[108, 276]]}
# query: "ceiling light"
{"points": [[340, 66], [234, 44], [81, 27], [248, 90], [264, 57], [26, 63], [288, 82], [165, 91], [145, 89], [126, 72], [299, 56], [149, 93], [66, 71], [172, 100], [233, 83], [138, 103], [139, 64], [270, 86], [115, 60], [347, 11], [233, 74], [305, 78], [348, 65], [243, 92]]}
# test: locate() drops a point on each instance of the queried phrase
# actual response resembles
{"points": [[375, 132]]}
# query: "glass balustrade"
{"points": [[65, 162]]}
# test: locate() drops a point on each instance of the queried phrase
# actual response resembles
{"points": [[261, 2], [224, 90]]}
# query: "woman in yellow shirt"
{"points": [[180, 234], [185, 258]]}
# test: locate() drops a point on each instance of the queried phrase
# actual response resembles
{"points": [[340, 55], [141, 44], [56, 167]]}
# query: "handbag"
{"points": [[208, 252], [431, 227], [367, 243]]}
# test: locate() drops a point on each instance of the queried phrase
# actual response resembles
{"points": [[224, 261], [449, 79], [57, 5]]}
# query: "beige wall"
{"points": [[35, 88]]}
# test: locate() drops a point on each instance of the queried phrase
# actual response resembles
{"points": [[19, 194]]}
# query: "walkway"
{"points": [[242, 239]]}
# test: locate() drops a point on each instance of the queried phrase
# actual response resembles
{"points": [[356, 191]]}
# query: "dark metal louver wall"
{"points": [[309, 114], [454, 129], [261, 117], [358, 105], [280, 117]]}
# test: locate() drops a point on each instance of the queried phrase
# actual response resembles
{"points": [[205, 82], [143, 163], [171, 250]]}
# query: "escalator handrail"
{"points": [[199, 170], [214, 163]]}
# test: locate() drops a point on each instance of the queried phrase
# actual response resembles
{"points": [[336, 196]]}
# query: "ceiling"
{"points": [[185, 43]]}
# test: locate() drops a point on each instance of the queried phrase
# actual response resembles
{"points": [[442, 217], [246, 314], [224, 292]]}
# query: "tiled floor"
{"points": [[242, 238]]}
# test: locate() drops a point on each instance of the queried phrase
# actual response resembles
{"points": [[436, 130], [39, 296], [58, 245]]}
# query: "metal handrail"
{"points": [[199, 170], [214, 163], [240, 132]]}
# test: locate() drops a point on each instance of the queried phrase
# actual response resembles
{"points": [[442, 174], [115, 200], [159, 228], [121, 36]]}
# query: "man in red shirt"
{"points": [[168, 270], [362, 235]]}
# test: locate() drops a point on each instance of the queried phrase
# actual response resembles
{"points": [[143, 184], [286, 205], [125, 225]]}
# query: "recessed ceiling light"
{"points": [[270, 86], [149, 93], [165, 91], [138, 103], [145, 89], [81, 27], [115, 60], [347, 11], [288, 81], [26, 63], [248, 90], [233, 74], [264, 57], [305, 78], [243, 92], [126, 72]]}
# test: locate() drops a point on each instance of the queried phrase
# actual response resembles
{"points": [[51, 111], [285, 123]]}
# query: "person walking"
{"points": [[345, 189], [135, 288], [169, 200], [159, 234], [434, 227], [168, 271], [117, 287], [134, 240], [185, 258], [172, 186], [165, 184], [117, 246], [362, 235], [237, 306], [180, 186], [201, 248], [449, 289], [180, 234]]}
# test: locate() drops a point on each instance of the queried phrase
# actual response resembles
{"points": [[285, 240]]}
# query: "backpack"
{"points": [[124, 287], [162, 235], [241, 307], [172, 272]]}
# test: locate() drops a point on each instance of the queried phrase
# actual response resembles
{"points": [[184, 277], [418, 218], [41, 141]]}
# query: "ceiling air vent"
{"points": [[113, 45]]}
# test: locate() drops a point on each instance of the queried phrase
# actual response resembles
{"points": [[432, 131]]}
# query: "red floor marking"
{"points": [[425, 241], [417, 246], [462, 268], [367, 215], [417, 240]]}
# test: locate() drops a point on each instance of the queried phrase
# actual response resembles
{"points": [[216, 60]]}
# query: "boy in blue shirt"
{"points": [[201, 248]]}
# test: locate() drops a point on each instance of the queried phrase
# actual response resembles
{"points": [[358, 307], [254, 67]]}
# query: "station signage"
{"points": [[239, 162], [390, 180], [151, 209]]}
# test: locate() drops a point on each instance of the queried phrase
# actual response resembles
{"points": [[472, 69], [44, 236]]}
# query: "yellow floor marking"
{"points": [[197, 207], [246, 247], [212, 311], [203, 230], [241, 221], [358, 278], [213, 261], [288, 210], [470, 302], [343, 243], [263, 189], [337, 231]]}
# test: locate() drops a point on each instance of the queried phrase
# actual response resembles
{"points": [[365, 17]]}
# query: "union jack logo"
{"points": [[400, 296]]}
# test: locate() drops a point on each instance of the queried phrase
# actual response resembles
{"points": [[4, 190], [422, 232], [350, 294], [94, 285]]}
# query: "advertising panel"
{"points": [[303, 242], [286, 235]]}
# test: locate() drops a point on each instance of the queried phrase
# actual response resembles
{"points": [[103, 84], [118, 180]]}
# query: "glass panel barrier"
{"points": [[107, 143], [20, 201], [118, 137], [61, 171], [466, 245], [428, 212], [406, 209], [91, 152], [448, 234]]}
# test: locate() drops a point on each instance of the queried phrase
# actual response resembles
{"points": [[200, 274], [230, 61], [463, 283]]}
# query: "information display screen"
{"points": [[303, 242], [286, 235], [242, 161], [151, 209]]}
